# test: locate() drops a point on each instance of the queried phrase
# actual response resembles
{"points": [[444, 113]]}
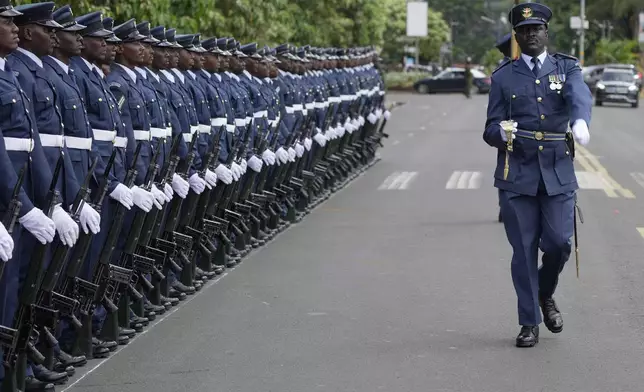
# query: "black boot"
{"points": [[528, 337]]}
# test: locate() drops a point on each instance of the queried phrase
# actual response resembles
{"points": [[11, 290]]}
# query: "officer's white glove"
{"points": [[299, 150], [269, 157], [224, 174], [320, 139], [378, 113], [168, 192], [159, 197], [355, 124], [580, 132], [255, 164], [180, 186], [236, 169], [244, 166], [6, 244], [508, 124], [65, 226], [211, 179], [387, 114], [372, 118], [197, 184], [123, 195], [142, 198], [349, 127], [39, 225], [291, 154], [282, 155], [339, 131], [308, 143], [90, 219]]}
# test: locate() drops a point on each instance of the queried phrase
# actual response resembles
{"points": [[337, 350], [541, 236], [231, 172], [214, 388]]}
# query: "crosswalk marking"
{"points": [[639, 178], [398, 180], [591, 180], [464, 180]]}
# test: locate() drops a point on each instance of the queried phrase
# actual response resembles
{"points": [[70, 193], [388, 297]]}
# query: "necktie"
{"points": [[537, 67]]}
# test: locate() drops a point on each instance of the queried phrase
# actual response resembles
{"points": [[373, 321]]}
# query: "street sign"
{"points": [[417, 19], [575, 23]]}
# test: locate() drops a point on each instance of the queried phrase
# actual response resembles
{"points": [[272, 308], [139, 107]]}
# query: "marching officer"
{"points": [[468, 78], [546, 93]]}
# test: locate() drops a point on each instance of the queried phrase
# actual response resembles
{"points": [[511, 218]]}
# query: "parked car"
{"points": [[452, 80], [593, 73], [617, 85]]}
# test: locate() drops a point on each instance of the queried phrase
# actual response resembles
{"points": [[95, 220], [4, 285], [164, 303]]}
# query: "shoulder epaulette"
{"points": [[565, 56], [503, 64]]}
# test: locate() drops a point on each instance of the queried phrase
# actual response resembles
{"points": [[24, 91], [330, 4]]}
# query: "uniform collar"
{"points": [[32, 56], [192, 74], [179, 75], [248, 75], [528, 59], [203, 71], [154, 75], [128, 71], [141, 72], [168, 75], [99, 70], [217, 76], [62, 65], [2, 63]]}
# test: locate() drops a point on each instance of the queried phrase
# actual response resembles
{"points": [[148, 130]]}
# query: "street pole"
{"points": [[417, 51], [582, 35]]}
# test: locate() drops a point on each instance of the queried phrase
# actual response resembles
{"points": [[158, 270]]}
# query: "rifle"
{"points": [[18, 341], [13, 209]]}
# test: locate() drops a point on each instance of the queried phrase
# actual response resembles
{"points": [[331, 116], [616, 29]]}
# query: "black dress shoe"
{"points": [[69, 360], [150, 314], [122, 340], [218, 269], [128, 332], [48, 376], [528, 337], [158, 309], [174, 293], [108, 344], [61, 368], [34, 385], [170, 301], [99, 351], [551, 315], [183, 288], [139, 320]]}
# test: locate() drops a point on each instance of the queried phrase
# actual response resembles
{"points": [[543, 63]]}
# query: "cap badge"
{"points": [[526, 12]]}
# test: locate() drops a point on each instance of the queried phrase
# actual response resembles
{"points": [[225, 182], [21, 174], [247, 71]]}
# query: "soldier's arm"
{"points": [[577, 94], [120, 94], [9, 179], [496, 112]]}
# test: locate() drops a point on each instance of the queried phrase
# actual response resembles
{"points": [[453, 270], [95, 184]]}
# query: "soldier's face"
{"points": [[94, 49], [532, 39], [8, 36], [70, 43], [133, 52], [43, 39]]}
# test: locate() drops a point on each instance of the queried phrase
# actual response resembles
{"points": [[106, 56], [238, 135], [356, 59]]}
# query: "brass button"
{"points": [[13, 100], [539, 99], [542, 116], [138, 107], [47, 98], [537, 81], [540, 148], [567, 152], [73, 106], [513, 96], [538, 135], [100, 100]]}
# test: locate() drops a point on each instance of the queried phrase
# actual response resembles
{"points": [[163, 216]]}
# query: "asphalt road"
{"points": [[401, 282]]}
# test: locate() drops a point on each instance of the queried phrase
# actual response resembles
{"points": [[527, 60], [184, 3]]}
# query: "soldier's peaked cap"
{"points": [[158, 32], [250, 50], [170, 36], [529, 13], [127, 32], [94, 25], [37, 13], [65, 17], [108, 24], [7, 10], [144, 29]]}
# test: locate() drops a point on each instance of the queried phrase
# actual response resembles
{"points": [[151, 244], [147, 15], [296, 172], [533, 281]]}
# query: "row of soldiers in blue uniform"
{"points": [[138, 163]]}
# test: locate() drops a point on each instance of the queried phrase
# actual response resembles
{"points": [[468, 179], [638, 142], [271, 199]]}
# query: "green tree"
{"points": [[618, 51]]}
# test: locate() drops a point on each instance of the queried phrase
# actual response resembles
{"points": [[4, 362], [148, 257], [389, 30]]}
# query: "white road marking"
{"points": [[591, 180], [398, 180], [464, 180], [395, 142], [639, 178], [410, 134]]}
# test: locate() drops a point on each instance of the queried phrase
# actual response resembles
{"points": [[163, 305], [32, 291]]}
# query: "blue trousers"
{"points": [[532, 223]]}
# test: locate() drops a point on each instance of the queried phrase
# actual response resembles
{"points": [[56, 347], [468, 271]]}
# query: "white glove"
{"points": [[299, 150], [168, 192], [244, 166], [224, 174], [211, 179], [236, 169], [142, 198], [90, 219], [378, 113], [372, 118], [65, 226], [39, 225], [180, 186], [580, 132], [159, 197], [269, 157], [361, 120], [6, 244], [387, 114], [514, 130], [308, 143], [320, 139], [282, 155], [197, 184], [339, 131], [255, 164], [349, 127], [123, 195], [291, 154]]}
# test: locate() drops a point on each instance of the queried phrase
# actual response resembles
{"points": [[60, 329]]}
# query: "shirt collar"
{"points": [[154, 75], [168, 75], [32, 56], [248, 75], [179, 75], [2, 63], [141, 72], [62, 65], [192, 74], [217, 76], [128, 71], [99, 70], [528, 59], [203, 71]]}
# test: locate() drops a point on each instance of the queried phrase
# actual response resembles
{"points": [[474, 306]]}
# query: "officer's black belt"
{"points": [[541, 136]]}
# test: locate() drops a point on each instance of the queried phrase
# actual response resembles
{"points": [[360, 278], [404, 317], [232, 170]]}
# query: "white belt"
{"points": [[319, 105], [240, 122], [218, 122], [305, 111], [335, 99], [289, 109], [309, 105], [159, 132], [48, 140], [205, 129], [141, 135], [230, 128], [104, 136], [248, 120], [78, 143], [187, 137], [260, 114], [381, 92], [168, 132], [120, 142], [345, 98], [194, 129], [298, 107], [18, 144]]}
